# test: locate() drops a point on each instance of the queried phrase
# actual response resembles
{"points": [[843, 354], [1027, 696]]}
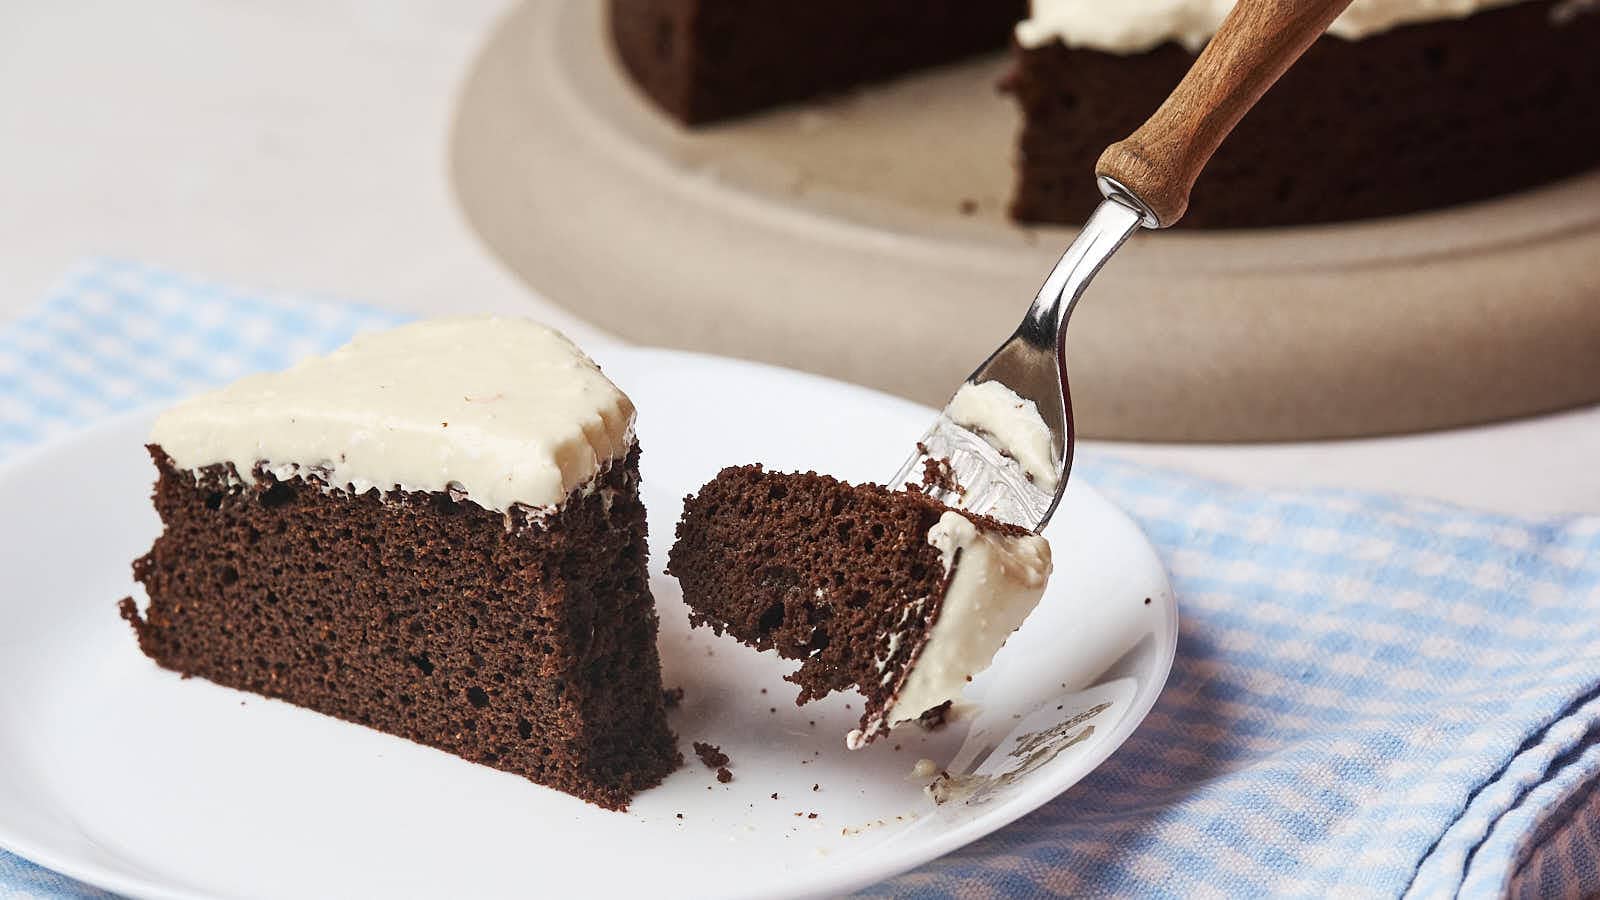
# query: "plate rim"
{"points": [[121, 881]]}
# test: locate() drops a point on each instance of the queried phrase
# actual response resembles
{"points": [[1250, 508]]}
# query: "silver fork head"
{"points": [[984, 477]]}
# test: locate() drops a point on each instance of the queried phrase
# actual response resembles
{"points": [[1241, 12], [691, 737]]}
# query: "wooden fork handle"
{"points": [[1257, 43]]}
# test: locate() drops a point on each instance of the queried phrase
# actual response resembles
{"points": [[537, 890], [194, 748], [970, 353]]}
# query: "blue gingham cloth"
{"points": [[1373, 696]]}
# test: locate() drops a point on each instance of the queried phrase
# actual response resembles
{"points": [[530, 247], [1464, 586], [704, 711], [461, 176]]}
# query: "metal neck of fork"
{"points": [[1112, 189], [1111, 224]]}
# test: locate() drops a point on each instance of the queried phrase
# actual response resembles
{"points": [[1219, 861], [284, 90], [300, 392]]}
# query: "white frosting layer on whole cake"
{"points": [[995, 582], [1010, 424], [503, 409], [1134, 26]]}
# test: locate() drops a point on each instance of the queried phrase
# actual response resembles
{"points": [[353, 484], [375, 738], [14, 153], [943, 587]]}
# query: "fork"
{"points": [[1006, 450]]}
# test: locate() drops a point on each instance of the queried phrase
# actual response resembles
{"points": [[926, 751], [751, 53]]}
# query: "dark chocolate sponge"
{"points": [[1424, 116], [839, 576], [529, 649]]}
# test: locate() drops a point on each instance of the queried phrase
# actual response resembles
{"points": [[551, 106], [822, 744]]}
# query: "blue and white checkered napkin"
{"points": [[1372, 696]]}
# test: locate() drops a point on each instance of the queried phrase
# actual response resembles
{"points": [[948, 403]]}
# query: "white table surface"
{"points": [[302, 144]]}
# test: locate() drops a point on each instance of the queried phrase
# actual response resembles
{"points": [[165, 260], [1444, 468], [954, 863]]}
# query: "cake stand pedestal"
{"points": [[864, 237]]}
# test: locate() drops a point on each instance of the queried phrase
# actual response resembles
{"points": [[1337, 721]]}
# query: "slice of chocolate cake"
{"points": [[436, 532], [889, 592]]}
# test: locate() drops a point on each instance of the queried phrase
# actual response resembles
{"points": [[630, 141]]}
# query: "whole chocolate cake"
{"points": [[706, 60], [436, 532], [888, 592], [1406, 105]]}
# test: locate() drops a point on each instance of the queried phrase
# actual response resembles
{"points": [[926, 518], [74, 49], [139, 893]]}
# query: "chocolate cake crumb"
{"points": [[811, 815], [710, 754], [935, 718], [774, 796], [938, 474], [723, 775], [672, 697], [816, 787]]}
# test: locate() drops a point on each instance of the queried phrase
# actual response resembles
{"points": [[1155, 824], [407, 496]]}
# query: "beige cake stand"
{"points": [[832, 238]]}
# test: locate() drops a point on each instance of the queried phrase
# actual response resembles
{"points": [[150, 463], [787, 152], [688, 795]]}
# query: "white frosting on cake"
{"points": [[995, 582], [1134, 26], [503, 409], [1009, 423]]}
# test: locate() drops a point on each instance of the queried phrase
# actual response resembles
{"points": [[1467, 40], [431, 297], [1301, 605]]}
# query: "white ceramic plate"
{"points": [[129, 777]]}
